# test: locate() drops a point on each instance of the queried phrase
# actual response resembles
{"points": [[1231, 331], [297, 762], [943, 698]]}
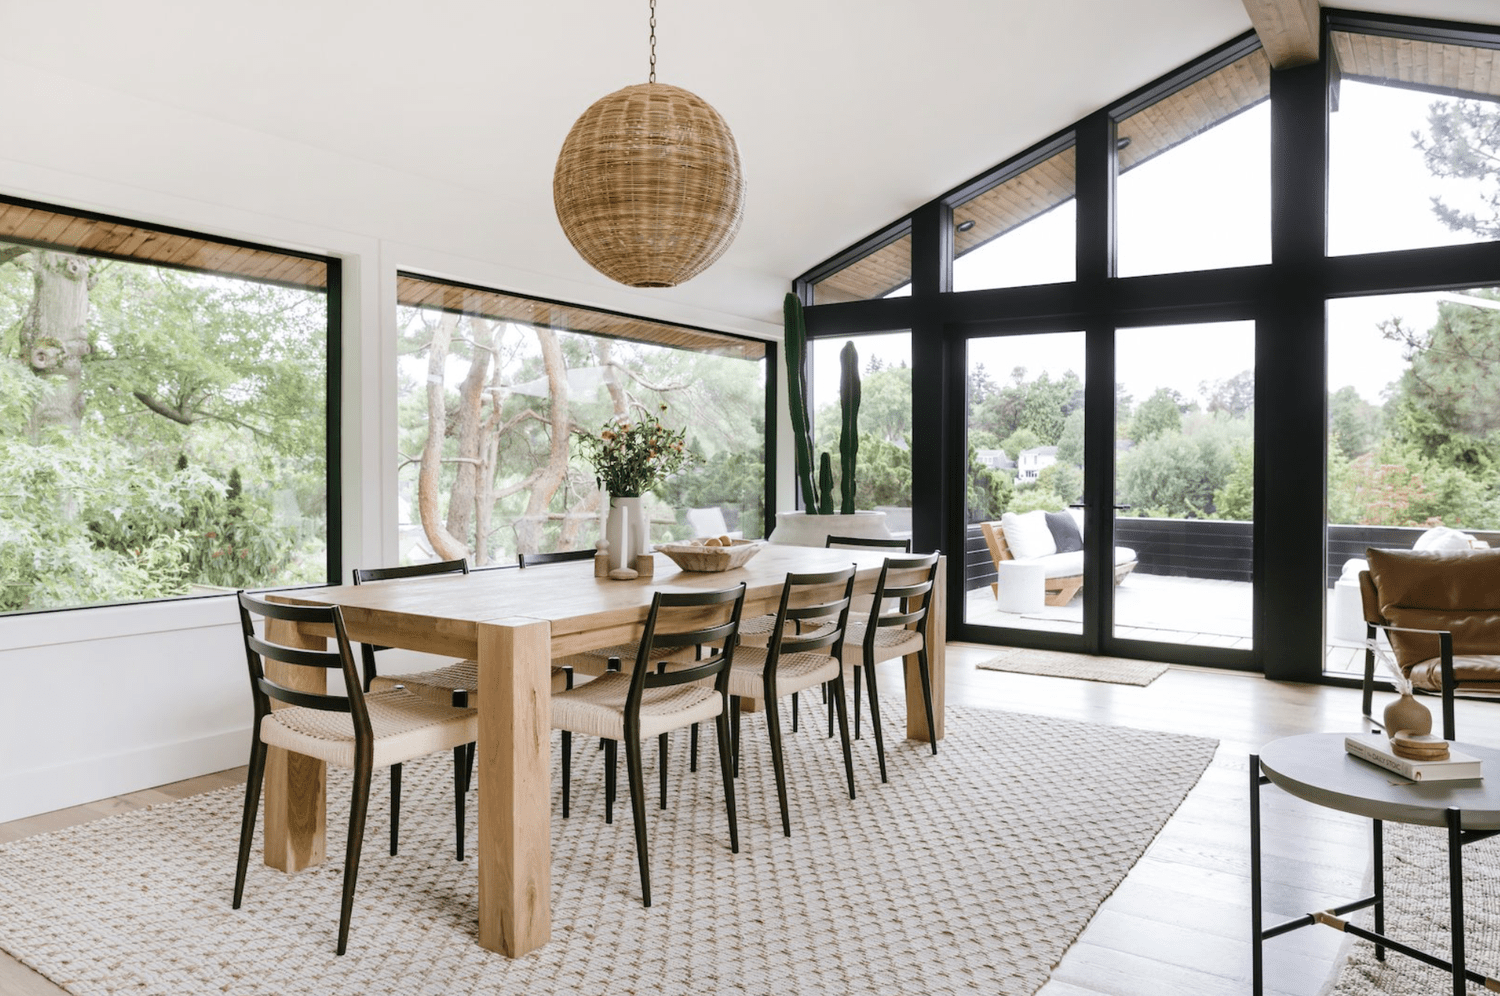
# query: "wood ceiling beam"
{"points": [[1288, 30]]}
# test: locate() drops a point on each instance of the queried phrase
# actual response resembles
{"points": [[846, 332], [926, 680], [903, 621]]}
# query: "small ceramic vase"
{"points": [[1406, 713]]}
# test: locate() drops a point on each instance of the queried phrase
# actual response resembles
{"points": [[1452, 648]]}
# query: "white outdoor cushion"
{"points": [[1027, 535], [1443, 538], [1067, 565], [405, 726]]}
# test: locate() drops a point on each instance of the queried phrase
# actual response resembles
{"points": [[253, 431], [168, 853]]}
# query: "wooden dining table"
{"points": [[514, 622]]}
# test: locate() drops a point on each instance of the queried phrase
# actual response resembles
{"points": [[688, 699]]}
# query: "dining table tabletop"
{"points": [[514, 622]]}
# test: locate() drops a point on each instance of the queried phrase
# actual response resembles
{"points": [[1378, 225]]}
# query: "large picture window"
{"points": [[494, 389], [163, 413]]}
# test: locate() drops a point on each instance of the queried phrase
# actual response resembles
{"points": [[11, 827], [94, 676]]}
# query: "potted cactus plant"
{"points": [[820, 520]]}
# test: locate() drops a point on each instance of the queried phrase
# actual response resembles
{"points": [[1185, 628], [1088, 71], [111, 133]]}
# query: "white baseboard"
{"points": [[43, 789]]}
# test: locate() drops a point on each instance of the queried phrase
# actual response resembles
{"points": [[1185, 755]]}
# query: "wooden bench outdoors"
{"points": [[1059, 590]]}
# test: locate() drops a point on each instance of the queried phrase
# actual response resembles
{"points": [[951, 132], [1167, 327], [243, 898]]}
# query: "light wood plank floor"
{"points": [[1178, 925]]}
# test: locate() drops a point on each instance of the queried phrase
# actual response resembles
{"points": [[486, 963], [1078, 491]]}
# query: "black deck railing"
{"points": [[1213, 549]]}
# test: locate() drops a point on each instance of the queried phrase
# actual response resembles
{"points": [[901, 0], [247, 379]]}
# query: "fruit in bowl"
{"points": [[711, 553]]}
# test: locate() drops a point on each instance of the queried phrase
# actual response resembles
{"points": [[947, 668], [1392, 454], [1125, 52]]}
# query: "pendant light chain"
{"points": [[652, 77]]}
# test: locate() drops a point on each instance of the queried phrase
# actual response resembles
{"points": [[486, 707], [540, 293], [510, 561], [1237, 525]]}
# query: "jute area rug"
{"points": [[1416, 912], [970, 872], [1056, 664]]}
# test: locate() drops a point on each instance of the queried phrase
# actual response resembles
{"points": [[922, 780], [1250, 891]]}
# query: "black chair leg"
{"points": [[726, 770], [638, 811], [567, 770], [856, 709], [927, 696], [395, 807], [359, 805], [662, 743], [795, 710], [828, 700], [253, 781], [734, 721], [838, 695], [869, 670], [1367, 687], [470, 750], [773, 727], [460, 789], [609, 781], [693, 749]]}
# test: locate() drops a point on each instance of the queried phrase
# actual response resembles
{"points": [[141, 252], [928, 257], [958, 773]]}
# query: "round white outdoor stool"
{"points": [[1021, 586]]}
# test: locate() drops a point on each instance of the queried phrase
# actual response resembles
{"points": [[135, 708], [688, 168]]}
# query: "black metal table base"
{"points": [[1457, 838]]}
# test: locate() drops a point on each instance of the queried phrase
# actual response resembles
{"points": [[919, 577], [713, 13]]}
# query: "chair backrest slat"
{"points": [[666, 608], [525, 560], [903, 593], [798, 587], [263, 688]]}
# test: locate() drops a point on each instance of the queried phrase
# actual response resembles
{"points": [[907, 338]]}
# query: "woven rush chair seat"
{"points": [[794, 672], [438, 685], [889, 641], [597, 708], [405, 725]]}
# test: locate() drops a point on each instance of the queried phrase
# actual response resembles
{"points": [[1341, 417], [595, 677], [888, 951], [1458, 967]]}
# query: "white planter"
{"points": [[801, 529]]}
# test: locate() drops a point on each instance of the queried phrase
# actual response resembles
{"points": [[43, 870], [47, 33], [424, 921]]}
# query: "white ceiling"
{"points": [[437, 124]]}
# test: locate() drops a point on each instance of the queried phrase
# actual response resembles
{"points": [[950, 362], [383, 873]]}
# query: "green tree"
{"points": [[1021, 439], [1461, 141], [1447, 402], [1158, 415], [1070, 444], [1353, 422]]}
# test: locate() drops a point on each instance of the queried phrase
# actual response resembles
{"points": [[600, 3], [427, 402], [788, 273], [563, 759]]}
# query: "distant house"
{"points": [[1033, 460], [994, 459]]}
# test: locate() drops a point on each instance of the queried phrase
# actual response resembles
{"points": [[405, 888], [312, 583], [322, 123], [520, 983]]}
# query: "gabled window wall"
{"points": [[1224, 209]]}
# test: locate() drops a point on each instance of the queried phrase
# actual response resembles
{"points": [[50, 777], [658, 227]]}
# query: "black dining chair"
{"points": [[651, 701], [354, 730]]}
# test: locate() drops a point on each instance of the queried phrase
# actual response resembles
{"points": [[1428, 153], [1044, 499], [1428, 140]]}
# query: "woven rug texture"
{"points": [[1416, 912], [972, 871], [1056, 664]]}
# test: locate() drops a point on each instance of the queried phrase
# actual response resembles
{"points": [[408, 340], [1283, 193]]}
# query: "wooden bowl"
{"points": [[695, 557]]}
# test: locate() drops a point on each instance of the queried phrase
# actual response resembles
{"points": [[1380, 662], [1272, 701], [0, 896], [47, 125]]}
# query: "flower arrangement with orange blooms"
{"points": [[631, 455]]}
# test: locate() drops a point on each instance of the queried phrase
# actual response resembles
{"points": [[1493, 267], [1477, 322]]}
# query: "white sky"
{"points": [[1206, 203]]}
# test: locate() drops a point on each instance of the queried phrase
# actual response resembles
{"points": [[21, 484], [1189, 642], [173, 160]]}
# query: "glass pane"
{"points": [[1025, 445], [484, 379], [162, 431], [1413, 437], [886, 272], [883, 469], [1019, 232], [1411, 144], [1194, 191], [1184, 483]]}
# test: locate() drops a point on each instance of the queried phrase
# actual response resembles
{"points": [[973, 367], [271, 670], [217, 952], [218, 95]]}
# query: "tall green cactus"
{"points": [[849, 430], [825, 485], [794, 345]]}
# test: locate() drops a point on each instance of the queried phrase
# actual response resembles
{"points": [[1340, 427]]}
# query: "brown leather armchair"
{"points": [[1441, 613]]}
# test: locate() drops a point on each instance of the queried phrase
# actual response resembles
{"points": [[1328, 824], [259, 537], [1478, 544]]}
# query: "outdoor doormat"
{"points": [[1056, 664]]}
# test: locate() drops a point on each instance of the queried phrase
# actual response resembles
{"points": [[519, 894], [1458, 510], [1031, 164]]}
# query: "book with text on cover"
{"points": [[1376, 749]]}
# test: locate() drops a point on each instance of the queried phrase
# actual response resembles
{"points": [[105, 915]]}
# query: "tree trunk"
{"points": [[444, 543], [484, 491], [529, 525], [54, 336], [466, 429]]}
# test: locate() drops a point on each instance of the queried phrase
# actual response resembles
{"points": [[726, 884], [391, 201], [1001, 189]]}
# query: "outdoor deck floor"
{"points": [[1163, 609]]}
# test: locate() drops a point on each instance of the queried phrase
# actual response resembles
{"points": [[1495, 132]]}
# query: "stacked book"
{"points": [[1375, 748]]}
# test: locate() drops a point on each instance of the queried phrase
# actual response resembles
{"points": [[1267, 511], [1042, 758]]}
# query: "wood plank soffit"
{"points": [[1288, 30]]}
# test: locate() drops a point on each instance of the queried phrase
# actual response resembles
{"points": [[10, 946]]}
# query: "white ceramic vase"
{"points": [[627, 532], [802, 529]]}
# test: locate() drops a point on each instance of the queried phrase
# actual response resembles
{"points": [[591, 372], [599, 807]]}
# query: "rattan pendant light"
{"points": [[648, 185]]}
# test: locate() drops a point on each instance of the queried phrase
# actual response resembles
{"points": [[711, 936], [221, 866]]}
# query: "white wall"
{"points": [[98, 702]]}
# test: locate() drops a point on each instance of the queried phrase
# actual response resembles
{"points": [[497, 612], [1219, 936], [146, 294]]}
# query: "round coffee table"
{"points": [[1315, 767]]}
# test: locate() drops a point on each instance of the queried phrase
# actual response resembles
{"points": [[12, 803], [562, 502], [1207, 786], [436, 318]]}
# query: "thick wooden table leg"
{"points": [[936, 639], [295, 789], [515, 785]]}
